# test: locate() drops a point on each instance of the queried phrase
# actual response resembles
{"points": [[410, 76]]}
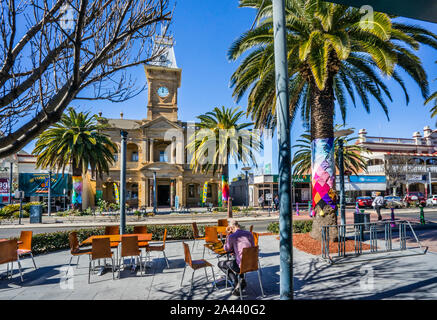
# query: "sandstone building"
{"points": [[157, 143]]}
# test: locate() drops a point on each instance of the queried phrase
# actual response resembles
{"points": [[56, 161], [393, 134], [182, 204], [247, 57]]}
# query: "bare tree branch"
{"points": [[72, 49]]}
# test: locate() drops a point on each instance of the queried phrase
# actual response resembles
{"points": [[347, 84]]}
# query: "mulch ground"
{"points": [[304, 242]]}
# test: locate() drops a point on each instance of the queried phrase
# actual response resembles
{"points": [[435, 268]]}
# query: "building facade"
{"points": [[157, 144], [400, 165]]}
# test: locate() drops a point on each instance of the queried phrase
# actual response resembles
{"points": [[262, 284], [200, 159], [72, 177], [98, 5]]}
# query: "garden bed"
{"points": [[304, 242]]}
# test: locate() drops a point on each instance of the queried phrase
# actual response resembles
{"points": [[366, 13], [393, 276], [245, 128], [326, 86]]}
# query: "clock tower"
{"points": [[164, 79]]}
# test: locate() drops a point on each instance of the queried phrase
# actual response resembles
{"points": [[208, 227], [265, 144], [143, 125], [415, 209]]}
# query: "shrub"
{"points": [[300, 226], [49, 242]]}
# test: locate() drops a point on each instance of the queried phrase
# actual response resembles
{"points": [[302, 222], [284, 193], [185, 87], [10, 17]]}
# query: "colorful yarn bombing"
{"points": [[323, 174], [297, 208], [77, 190], [225, 189]]}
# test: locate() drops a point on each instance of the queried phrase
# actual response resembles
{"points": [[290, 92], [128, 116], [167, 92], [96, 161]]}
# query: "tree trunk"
{"points": [[322, 160]]}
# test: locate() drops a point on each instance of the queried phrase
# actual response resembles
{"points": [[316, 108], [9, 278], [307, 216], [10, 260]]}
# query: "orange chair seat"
{"points": [[155, 248], [199, 238], [23, 251], [143, 244], [198, 264], [81, 251]]}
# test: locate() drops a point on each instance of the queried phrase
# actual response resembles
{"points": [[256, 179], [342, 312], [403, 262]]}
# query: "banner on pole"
{"points": [[205, 192]]}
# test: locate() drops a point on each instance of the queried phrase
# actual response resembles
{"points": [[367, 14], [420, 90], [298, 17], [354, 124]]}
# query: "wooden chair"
{"points": [[112, 230], [249, 263], [25, 248], [196, 234], [140, 229], [211, 238], [129, 248], [161, 248], [195, 265], [101, 249], [75, 251], [222, 222], [256, 241], [8, 253]]}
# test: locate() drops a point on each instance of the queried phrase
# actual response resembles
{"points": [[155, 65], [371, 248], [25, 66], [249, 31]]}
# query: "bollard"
{"points": [[297, 208], [392, 224], [357, 209], [422, 216], [309, 209]]}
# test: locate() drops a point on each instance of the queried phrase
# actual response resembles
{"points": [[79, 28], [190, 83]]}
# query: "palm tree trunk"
{"points": [[322, 160]]}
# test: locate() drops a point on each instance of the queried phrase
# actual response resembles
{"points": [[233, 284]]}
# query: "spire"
{"points": [[167, 58]]}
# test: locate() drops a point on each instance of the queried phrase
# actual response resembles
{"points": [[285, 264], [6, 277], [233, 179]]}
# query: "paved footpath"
{"points": [[408, 277]]}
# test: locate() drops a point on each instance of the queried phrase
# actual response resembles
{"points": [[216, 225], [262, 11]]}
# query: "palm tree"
{"points": [[352, 155], [332, 56], [76, 140], [432, 97], [220, 138]]}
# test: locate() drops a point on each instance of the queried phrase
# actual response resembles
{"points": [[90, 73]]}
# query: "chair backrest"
{"points": [[222, 222], [255, 238], [26, 238], [195, 230], [249, 260], [8, 251], [140, 229], [101, 248], [187, 254], [211, 234], [129, 246], [74, 242], [112, 230], [251, 228]]}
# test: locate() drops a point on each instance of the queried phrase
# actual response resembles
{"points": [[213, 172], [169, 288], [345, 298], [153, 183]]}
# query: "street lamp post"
{"points": [[49, 194], [342, 133], [246, 170], [65, 191], [154, 189], [10, 182], [123, 182], [430, 181], [283, 120]]}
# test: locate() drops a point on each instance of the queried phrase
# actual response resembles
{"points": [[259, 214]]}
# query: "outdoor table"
{"points": [[220, 252], [116, 238]]}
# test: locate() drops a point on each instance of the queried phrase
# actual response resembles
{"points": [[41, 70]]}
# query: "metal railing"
{"points": [[367, 233]]}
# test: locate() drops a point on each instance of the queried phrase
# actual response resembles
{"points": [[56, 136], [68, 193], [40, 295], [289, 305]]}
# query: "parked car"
{"points": [[432, 200], [393, 201], [414, 196], [364, 202]]}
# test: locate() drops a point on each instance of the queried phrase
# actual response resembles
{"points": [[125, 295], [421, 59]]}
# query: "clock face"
{"points": [[162, 92]]}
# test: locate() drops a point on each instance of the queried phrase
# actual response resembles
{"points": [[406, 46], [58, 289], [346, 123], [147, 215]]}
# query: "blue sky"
{"points": [[204, 31]]}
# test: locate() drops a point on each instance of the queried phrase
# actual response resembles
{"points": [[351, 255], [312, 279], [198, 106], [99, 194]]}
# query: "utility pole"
{"points": [[123, 183], [283, 120]]}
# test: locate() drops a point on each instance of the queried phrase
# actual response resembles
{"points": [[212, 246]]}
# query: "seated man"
{"points": [[236, 241]]}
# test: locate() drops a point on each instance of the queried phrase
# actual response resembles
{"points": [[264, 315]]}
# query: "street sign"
{"points": [[418, 9]]}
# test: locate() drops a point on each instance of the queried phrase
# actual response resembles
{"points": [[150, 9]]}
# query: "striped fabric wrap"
{"points": [[225, 188], [323, 175]]}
